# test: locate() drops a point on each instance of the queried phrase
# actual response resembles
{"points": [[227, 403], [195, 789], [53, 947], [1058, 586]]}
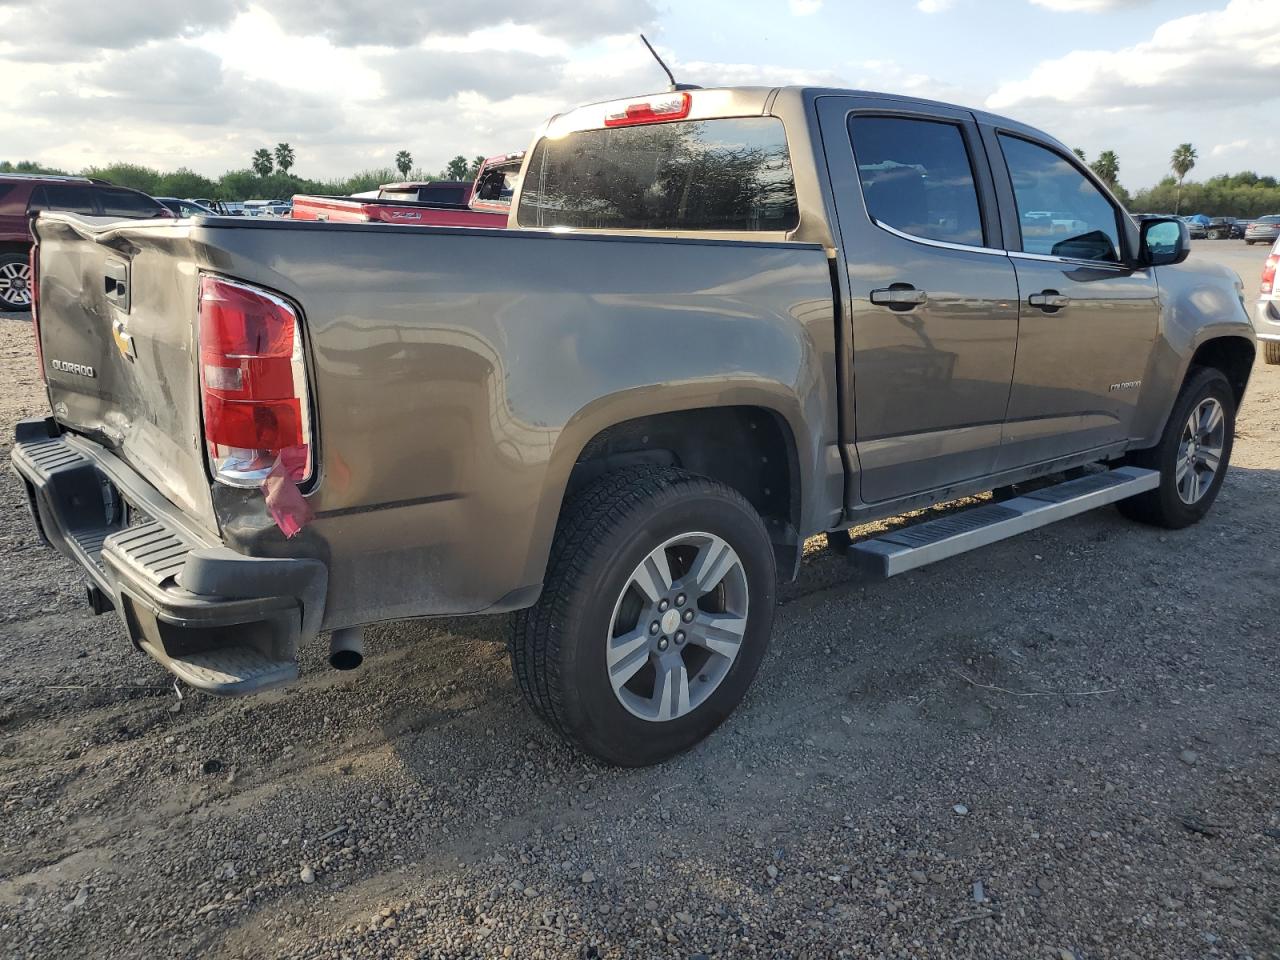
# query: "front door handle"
{"points": [[1050, 301], [899, 296]]}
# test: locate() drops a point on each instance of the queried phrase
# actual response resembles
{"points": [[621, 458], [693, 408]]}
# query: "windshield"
{"points": [[731, 174]]}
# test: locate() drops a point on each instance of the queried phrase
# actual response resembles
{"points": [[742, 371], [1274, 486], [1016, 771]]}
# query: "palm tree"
{"points": [[284, 157], [404, 162], [262, 162], [1107, 167], [1079, 152], [457, 168], [1183, 159]]}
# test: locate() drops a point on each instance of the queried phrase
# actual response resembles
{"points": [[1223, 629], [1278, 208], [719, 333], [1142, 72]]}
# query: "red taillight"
{"points": [[1269, 273], [654, 110], [253, 384], [33, 285]]}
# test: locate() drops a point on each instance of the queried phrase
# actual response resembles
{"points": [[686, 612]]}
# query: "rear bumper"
{"points": [[219, 620], [1266, 318]]}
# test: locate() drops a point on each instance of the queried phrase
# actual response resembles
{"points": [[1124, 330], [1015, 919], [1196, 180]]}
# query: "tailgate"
{"points": [[117, 311]]}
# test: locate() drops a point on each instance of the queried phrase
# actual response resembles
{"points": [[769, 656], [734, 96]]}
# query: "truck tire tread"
{"points": [[594, 514]]}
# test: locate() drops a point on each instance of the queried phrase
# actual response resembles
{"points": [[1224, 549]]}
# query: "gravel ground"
{"points": [[1063, 746]]}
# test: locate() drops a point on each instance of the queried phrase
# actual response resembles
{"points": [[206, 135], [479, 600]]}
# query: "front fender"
{"points": [[1199, 302]]}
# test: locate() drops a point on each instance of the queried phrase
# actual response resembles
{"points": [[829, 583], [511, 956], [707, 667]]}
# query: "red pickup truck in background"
{"points": [[486, 201]]}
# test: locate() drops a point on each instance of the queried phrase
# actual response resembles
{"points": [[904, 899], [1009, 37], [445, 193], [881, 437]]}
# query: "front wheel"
{"points": [[15, 282], [654, 616], [1192, 455]]}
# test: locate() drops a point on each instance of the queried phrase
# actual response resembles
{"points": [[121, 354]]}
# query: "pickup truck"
{"points": [[487, 205], [719, 322]]}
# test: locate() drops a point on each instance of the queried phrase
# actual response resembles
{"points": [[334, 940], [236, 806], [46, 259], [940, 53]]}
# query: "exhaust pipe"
{"points": [[346, 648]]}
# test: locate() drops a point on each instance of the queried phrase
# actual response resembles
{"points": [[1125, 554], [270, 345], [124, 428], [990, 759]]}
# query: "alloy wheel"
{"points": [[15, 284], [1200, 450], [677, 627]]}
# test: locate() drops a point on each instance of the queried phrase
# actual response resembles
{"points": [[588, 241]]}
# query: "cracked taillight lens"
{"points": [[253, 384]]}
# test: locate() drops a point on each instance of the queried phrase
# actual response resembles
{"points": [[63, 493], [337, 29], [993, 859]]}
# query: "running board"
{"points": [[934, 540]]}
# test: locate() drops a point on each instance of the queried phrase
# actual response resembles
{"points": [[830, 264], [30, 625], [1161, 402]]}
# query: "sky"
{"points": [[202, 83]]}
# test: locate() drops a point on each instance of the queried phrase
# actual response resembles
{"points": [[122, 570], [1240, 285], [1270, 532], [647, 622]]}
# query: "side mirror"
{"points": [[1163, 242]]}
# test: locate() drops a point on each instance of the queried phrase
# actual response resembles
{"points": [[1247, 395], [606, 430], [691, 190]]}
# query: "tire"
{"points": [[570, 649], [1271, 351], [1166, 506], [15, 280]]}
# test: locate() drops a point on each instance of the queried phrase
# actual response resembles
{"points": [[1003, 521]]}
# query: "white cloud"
{"points": [[1089, 6], [1230, 55], [934, 6], [1205, 78], [804, 8], [1229, 149]]}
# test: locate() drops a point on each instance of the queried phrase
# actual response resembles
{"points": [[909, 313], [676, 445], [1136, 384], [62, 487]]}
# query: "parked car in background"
{"points": [[1266, 314], [1238, 227], [24, 194], [187, 208], [1197, 227], [489, 201], [219, 207], [1263, 230], [778, 315], [1219, 228]]}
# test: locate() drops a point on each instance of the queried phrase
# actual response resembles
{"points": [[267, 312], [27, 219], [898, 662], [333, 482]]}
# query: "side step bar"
{"points": [[915, 546]]}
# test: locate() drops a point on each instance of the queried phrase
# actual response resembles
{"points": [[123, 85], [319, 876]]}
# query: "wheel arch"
{"points": [[748, 438], [1232, 355], [20, 247]]}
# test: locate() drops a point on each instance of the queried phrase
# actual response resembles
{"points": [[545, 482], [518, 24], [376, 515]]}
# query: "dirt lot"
{"points": [[1063, 746]]}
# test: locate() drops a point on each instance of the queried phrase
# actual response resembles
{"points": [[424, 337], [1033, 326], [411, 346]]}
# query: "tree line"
{"points": [[269, 175]]}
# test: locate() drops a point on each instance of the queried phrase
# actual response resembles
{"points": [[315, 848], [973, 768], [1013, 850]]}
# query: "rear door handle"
{"points": [[1050, 301], [899, 296]]}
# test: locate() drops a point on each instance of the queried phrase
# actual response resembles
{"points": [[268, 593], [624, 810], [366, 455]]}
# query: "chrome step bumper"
{"points": [[925, 543]]}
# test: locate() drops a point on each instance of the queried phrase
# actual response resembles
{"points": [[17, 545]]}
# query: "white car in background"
{"points": [[1266, 318]]}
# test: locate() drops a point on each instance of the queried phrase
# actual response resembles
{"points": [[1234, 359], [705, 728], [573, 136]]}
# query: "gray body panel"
{"points": [[458, 375], [453, 401]]}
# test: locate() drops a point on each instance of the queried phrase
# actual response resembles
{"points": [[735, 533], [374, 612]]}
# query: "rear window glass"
{"points": [[1270, 220], [127, 203], [730, 174]]}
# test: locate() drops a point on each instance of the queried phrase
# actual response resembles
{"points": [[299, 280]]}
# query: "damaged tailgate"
{"points": [[116, 324]]}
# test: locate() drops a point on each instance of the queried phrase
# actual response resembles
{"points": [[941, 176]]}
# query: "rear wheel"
{"points": [[15, 282], [654, 615], [1192, 455], [1271, 351]]}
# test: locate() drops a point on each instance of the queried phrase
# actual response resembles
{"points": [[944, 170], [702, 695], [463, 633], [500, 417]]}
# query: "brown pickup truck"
{"points": [[719, 322]]}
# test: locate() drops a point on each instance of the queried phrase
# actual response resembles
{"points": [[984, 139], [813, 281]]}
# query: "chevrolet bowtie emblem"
{"points": [[124, 341]]}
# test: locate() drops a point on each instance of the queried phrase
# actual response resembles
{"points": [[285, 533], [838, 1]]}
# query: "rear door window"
{"points": [[729, 174], [1060, 211], [127, 203], [65, 197], [917, 178]]}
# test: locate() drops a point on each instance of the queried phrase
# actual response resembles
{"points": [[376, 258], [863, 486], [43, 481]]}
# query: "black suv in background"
{"points": [[22, 195]]}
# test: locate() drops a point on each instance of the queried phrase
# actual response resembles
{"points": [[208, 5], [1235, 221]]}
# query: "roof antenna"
{"points": [[666, 69]]}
